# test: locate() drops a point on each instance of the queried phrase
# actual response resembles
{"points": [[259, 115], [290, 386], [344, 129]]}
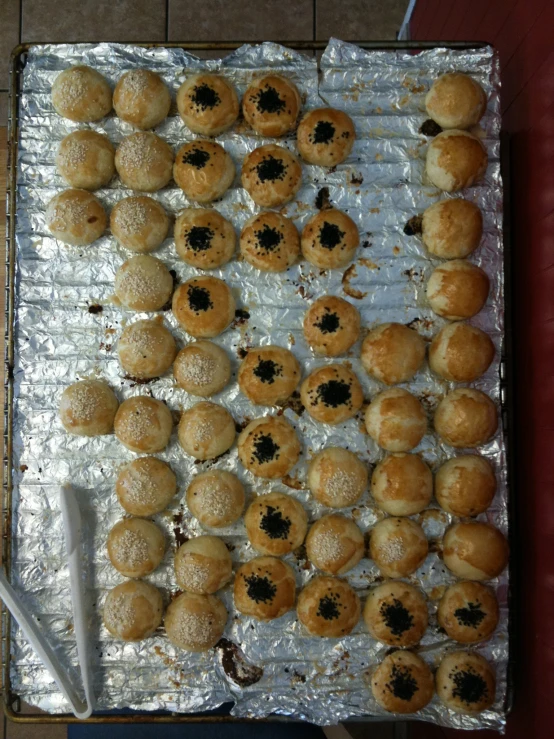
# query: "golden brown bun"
{"points": [[143, 424], [475, 550], [270, 242], [204, 306], [76, 217], [271, 105], [207, 103], [144, 161], [264, 588], [143, 283], [268, 447], [452, 228], [327, 606], [457, 289], [203, 565], [460, 352], [332, 394], [396, 614], [468, 612], [392, 353], [395, 419], [272, 175], [141, 98], [133, 610], [202, 368], [146, 349], [275, 524], [88, 408], [335, 544], [269, 375], [135, 547], [331, 326], [206, 430], [216, 498], [195, 622], [203, 170], [85, 160], [466, 682], [455, 159], [81, 94], [337, 478], [403, 683], [455, 100], [465, 485], [402, 484], [325, 137], [145, 486], [330, 239], [203, 238], [466, 418], [398, 546], [139, 223]]}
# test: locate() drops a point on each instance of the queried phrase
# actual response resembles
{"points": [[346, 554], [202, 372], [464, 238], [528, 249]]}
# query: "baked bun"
{"points": [[331, 326], [466, 682], [143, 424], [135, 547], [337, 478], [455, 100], [402, 484], [452, 228], [195, 622], [143, 283], [264, 588], [272, 175], [88, 408], [392, 353], [204, 306], [398, 546], [81, 94], [466, 418], [332, 394], [328, 606], [325, 137], [270, 242], [145, 486], [271, 105], [403, 683], [268, 447], [395, 419], [207, 103], [139, 223], [203, 170], [206, 430], [76, 217], [468, 612], [455, 159], [269, 375], [85, 160], [144, 161], [141, 98], [465, 485], [202, 368], [461, 352], [276, 524], [335, 544], [146, 349], [203, 238], [216, 498], [457, 289], [203, 565], [396, 614], [133, 610], [330, 239], [475, 550]]}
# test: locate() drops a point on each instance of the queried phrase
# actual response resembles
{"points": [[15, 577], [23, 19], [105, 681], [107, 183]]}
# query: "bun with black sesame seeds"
{"points": [[271, 105], [396, 614], [272, 175], [466, 682], [204, 306], [276, 524], [331, 326], [270, 242], [330, 239], [207, 103], [328, 606], [332, 394], [268, 375], [268, 447], [402, 683], [203, 170], [325, 137], [204, 238], [265, 588], [468, 612]]}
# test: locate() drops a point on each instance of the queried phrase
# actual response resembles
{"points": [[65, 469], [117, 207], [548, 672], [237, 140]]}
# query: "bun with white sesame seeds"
{"points": [[146, 349], [215, 498], [143, 424], [202, 368], [195, 622], [76, 217], [88, 408], [141, 98], [143, 283], [398, 546], [335, 544], [139, 223], [133, 610], [81, 94], [203, 565], [85, 159], [337, 478], [136, 547], [145, 486], [144, 161], [206, 430]]}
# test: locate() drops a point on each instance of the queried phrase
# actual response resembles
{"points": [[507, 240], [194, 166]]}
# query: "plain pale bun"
{"points": [[143, 424], [145, 486], [392, 353], [81, 94], [85, 160], [270, 242], [139, 223], [76, 217], [468, 612], [271, 175], [465, 485], [276, 524], [268, 447], [269, 375], [460, 352], [133, 610], [146, 349], [331, 326], [466, 682], [452, 229], [204, 306], [203, 238], [395, 419], [203, 565], [466, 418], [455, 100], [135, 547], [335, 544], [143, 283], [195, 622], [337, 478], [141, 98], [88, 408], [455, 159], [206, 430], [328, 606], [207, 103], [271, 105], [330, 239], [264, 588], [403, 683], [396, 614], [402, 484], [332, 394], [325, 137], [144, 161], [216, 498], [475, 550], [398, 546], [202, 368], [457, 289], [203, 170]]}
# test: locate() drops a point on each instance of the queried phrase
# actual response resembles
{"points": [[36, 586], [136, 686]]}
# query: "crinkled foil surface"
{"points": [[58, 340]]}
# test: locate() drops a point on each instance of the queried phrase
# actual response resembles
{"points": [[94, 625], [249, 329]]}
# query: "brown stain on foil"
{"points": [[350, 274]]}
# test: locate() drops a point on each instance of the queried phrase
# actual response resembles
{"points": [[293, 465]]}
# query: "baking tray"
{"points": [[12, 703]]}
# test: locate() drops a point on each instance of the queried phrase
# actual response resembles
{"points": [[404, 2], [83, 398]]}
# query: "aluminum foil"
{"points": [[61, 336]]}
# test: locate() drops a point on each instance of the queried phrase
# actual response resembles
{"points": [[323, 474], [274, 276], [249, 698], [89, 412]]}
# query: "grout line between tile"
{"points": [[314, 23], [167, 20], [20, 20]]}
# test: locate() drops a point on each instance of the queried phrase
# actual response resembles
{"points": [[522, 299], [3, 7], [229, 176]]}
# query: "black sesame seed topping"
{"points": [[199, 298], [333, 393], [330, 235], [274, 524], [470, 616], [323, 133], [402, 683], [204, 96], [397, 618], [199, 238], [265, 449], [470, 687], [260, 589], [271, 169], [197, 158], [430, 128], [268, 238], [268, 100], [328, 323], [328, 607], [267, 370]]}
